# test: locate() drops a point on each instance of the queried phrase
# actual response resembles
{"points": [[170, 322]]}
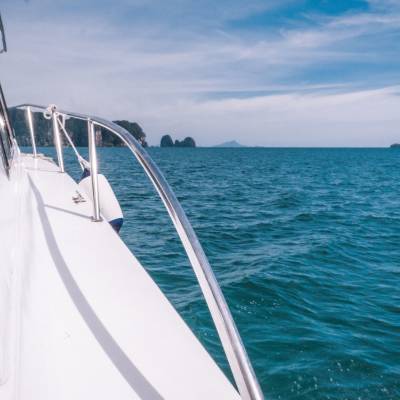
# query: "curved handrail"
{"points": [[239, 362]]}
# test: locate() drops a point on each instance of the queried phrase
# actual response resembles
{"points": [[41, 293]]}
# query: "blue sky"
{"points": [[272, 73]]}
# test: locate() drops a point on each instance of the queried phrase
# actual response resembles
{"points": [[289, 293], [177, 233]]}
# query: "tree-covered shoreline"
{"points": [[77, 130]]}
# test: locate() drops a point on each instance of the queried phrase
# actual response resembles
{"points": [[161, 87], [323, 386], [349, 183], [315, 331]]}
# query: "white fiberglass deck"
{"points": [[81, 319]]}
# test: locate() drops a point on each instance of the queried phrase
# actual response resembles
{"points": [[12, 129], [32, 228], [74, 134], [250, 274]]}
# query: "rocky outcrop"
{"points": [[187, 142], [166, 141]]}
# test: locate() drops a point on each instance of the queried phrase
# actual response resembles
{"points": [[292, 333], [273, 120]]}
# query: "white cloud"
{"points": [[168, 79], [364, 118]]}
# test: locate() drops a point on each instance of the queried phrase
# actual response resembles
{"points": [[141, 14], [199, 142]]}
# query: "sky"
{"points": [[265, 73]]}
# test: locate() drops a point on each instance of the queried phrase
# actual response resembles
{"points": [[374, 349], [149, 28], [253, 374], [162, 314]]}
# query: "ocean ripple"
{"points": [[305, 244]]}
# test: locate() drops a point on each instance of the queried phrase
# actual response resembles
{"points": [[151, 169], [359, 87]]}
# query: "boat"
{"points": [[80, 318]]}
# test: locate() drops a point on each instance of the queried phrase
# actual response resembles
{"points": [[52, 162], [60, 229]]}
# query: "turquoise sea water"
{"points": [[305, 244]]}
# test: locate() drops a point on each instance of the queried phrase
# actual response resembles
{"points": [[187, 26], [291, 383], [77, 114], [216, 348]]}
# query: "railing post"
{"points": [[31, 130], [57, 141], [94, 171]]}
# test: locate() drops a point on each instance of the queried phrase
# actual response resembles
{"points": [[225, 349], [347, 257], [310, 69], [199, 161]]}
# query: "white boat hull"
{"points": [[80, 318]]}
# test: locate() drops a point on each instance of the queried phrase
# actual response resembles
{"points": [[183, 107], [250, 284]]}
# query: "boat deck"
{"points": [[91, 323]]}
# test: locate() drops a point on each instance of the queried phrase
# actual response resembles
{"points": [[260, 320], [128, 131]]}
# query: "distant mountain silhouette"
{"points": [[231, 143]]}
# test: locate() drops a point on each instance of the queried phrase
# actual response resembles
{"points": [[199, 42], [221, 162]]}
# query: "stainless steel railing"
{"points": [[239, 362]]}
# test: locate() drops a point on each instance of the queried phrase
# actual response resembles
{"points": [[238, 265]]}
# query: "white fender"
{"points": [[109, 205]]}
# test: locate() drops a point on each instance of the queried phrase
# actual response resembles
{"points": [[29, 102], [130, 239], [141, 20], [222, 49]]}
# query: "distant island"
{"points": [[395, 145], [166, 141], [77, 130], [232, 143]]}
